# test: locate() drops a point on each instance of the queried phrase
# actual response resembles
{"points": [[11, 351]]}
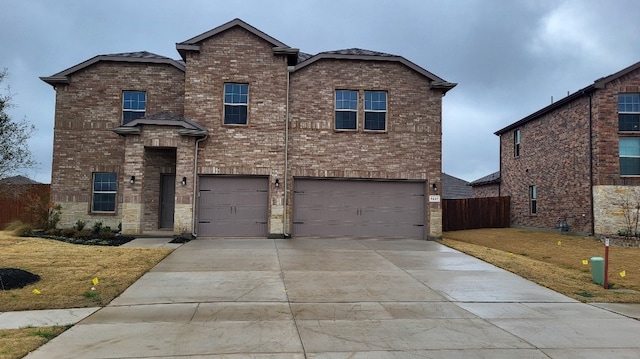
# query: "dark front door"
{"points": [[167, 200]]}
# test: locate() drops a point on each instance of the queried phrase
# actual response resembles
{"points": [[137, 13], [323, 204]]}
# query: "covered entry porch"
{"points": [[160, 151]]}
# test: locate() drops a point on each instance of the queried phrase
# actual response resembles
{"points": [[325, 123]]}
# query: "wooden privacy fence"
{"points": [[473, 213], [18, 201]]}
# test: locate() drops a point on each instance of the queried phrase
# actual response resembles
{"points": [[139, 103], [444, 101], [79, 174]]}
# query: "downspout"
{"points": [[500, 166], [286, 156], [593, 226], [195, 187]]}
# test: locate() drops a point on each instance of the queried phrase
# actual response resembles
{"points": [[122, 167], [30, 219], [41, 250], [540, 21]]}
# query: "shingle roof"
{"points": [[597, 84], [193, 44], [455, 188], [357, 51], [489, 179], [186, 126], [139, 56], [368, 55]]}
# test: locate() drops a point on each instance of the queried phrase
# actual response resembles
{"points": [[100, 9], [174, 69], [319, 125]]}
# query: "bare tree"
{"points": [[15, 155]]}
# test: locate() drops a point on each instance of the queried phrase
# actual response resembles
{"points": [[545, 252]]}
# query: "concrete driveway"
{"points": [[321, 298]]}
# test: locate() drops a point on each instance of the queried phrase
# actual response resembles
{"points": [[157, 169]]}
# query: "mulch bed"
{"points": [[12, 278]]}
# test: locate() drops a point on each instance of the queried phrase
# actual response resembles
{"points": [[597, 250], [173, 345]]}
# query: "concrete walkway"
{"points": [[318, 298]]}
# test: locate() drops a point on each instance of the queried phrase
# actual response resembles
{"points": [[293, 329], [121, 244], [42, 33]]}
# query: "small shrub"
{"points": [[97, 227], [106, 233], [52, 232], [23, 231], [69, 232], [83, 234], [13, 225], [53, 218], [80, 225]]}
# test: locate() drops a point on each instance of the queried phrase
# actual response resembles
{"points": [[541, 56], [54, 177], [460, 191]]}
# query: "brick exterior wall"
{"points": [[411, 148], [86, 111], [91, 105], [488, 190], [554, 156]]}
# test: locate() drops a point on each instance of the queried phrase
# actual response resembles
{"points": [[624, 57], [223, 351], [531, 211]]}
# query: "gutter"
{"points": [[195, 187], [591, 181]]}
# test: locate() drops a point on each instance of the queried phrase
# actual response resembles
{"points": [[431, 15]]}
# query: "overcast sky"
{"points": [[508, 57]]}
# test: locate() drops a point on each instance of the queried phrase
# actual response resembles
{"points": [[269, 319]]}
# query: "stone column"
{"points": [[185, 201], [132, 206]]}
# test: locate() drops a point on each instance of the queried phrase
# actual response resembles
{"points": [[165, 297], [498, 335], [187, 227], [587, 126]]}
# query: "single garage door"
{"points": [[233, 206], [351, 208]]}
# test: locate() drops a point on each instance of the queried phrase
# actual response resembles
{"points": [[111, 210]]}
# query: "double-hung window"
{"points": [[375, 110], [629, 156], [533, 200], [236, 103], [346, 110], [134, 105], [629, 121], [629, 112], [516, 143], [104, 192]]}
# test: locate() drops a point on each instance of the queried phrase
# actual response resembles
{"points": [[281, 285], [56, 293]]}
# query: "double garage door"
{"points": [[332, 208], [238, 207]]}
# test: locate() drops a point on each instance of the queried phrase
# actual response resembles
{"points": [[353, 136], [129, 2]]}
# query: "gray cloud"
{"points": [[509, 57]]}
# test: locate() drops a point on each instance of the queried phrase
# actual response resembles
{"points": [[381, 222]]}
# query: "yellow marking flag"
{"points": [[95, 281], [623, 273], [585, 261], [35, 291]]}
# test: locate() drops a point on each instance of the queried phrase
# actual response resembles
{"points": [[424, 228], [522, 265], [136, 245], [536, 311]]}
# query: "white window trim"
{"points": [[385, 111], [93, 192], [225, 104], [335, 107], [124, 110]]}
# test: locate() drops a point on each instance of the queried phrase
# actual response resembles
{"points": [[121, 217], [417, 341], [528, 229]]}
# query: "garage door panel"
{"points": [[233, 206], [358, 208]]}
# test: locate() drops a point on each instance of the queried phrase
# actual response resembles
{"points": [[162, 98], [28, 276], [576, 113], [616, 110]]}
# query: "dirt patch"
{"points": [[12, 278]]}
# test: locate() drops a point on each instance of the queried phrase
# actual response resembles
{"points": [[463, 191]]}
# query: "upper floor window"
{"points": [[629, 112], [346, 110], [134, 105], [104, 192], [630, 156], [375, 110], [533, 200], [516, 143], [236, 103]]}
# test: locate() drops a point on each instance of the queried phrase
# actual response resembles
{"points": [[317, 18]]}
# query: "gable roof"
{"points": [[186, 126], [368, 55], [131, 57], [455, 188], [597, 84], [193, 44], [486, 180]]}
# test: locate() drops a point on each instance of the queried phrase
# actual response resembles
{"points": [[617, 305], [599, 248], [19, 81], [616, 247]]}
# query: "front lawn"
{"points": [[67, 273], [555, 261]]}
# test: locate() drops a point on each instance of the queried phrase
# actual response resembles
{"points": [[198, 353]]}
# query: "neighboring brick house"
{"points": [[577, 159], [248, 137], [455, 188], [487, 186]]}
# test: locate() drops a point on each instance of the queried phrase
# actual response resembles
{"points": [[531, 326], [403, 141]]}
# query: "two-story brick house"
{"points": [[248, 137], [576, 160]]}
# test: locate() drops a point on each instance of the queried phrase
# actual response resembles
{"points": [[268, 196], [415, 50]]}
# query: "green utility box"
{"points": [[597, 269]]}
